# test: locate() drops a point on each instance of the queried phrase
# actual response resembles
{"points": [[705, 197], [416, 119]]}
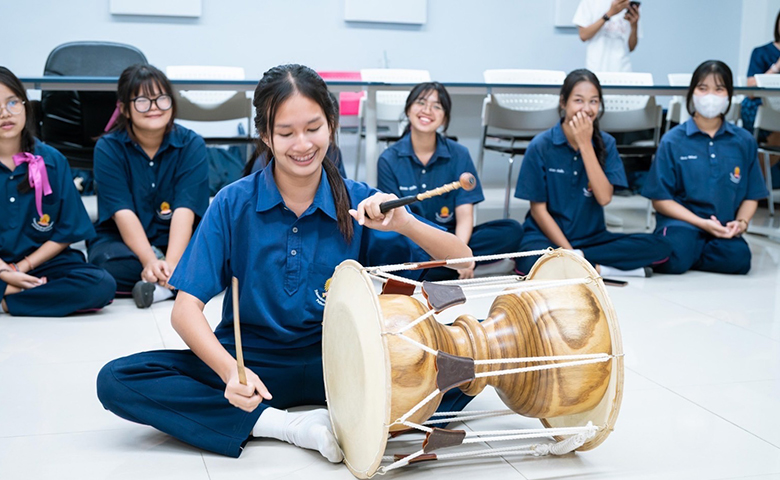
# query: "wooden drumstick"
{"points": [[237, 331], [466, 181]]}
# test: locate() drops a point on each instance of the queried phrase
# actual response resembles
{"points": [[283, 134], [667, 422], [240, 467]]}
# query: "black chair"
{"points": [[72, 121]]}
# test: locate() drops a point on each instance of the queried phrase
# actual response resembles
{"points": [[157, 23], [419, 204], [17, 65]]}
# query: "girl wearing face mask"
{"points": [[425, 159], [280, 232], [42, 214], [705, 181], [568, 174], [152, 187]]}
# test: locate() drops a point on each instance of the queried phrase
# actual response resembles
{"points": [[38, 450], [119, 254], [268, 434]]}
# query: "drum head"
{"points": [[356, 369], [560, 265]]}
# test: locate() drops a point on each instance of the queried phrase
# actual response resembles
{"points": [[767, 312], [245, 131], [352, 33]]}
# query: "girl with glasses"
{"points": [[152, 187], [424, 159], [42, 214]]}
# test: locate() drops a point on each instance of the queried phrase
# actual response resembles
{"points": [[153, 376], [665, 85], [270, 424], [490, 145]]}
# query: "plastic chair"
{"points": [[677, 112], [768, 118], [72, 121], [389, 104], [349, 102], [212, 105], [510, 120]]}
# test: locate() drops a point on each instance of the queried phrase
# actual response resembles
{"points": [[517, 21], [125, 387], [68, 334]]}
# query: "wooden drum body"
{"points": [[372, 378]]}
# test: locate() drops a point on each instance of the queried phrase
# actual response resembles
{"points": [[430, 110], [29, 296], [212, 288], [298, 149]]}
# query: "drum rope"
{"points": [[463, 416], [603, 358], [455, 261], [414, 409], [550, 358], [579, 435]]}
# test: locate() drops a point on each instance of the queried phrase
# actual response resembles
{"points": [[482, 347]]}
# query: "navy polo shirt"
{"points": [[708, 176], [553, 172], [126, 178], [762, 58], [282, 261], [22, 229], [399, 171]]}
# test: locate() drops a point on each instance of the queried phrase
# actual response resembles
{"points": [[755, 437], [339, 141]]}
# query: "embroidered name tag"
{"points": [[556, 170], [407, 189], [689, 157]]}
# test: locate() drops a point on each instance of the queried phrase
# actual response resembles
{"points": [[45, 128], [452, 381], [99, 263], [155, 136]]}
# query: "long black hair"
{"points": [[777, 27], [141, 79], [572, 79], [277, 85], [722, 73], [421, 91], [27, 140]]}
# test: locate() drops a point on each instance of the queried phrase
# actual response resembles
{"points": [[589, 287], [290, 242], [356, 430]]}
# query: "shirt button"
{"points": [[711, 144], [11, 177], [423, 171], [575, 157], [713, 155], [575, 173], [154, 184], [295, 229], [293, 253], [12, 199], [151, 164], [424, 185]]}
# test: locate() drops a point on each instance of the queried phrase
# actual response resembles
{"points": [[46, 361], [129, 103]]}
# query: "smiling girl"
{"points": [[152, 187], [568, 174], [424, 159], [705, 181], [42, 214], [281, 232]]}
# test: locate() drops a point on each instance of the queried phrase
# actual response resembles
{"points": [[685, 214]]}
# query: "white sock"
{"points": [[616, 272], [161, 293], [310, 430]]}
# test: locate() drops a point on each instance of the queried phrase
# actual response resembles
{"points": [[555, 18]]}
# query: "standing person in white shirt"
{"points": [[609, 36]]}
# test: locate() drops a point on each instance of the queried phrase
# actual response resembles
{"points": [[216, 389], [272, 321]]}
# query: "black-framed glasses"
{"points": [[14, 106], [144, 104]]}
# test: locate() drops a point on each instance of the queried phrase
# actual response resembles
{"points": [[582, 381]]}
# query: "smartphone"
{"points": [[613, 282], [634, 4]]}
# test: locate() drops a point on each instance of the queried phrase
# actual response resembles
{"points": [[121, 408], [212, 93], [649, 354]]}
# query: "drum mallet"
{"points": [[466, 181], [237, 332]]}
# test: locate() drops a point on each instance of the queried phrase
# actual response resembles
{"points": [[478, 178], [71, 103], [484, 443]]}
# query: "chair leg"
{"points": [[508, 186], [359, 149], [481, 157], [768, 179], [649, 214]]}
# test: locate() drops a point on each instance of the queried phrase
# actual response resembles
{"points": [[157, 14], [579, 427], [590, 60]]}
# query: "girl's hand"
{"points": [[736, 227], [582, 126], [22, 280], [369, 215], [713, 226], [246, 397], [617, 7], [466, 273], [632, 15], [157, 271]]}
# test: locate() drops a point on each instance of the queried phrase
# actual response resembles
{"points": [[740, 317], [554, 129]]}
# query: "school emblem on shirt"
{"points": [[587, 191], [321, 296], [735, 176], [164, 212], [444, 215], [43, 224]]}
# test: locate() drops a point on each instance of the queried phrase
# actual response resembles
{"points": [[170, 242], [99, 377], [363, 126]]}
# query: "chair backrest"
{"points": [[522, 101], [765, 80], [390, 104], [210, 105], [73, 120], [349, 102], [766, 119], [677, 112], [625, 102]]}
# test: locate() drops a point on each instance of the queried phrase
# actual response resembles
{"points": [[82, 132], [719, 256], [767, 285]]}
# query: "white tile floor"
{"points": [[701, 401]]}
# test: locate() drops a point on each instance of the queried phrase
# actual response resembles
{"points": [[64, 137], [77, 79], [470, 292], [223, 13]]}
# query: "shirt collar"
{"points": [[268, 195], [406, 149], [48, 160], [175, 138], [691, 128], [558, 137]]}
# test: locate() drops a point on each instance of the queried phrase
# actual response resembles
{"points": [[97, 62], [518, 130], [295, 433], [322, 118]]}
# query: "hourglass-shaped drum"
{"points": [[373, 376]]}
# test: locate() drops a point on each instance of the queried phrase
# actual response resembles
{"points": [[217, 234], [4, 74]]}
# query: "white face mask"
{"points": [[710, 105]]}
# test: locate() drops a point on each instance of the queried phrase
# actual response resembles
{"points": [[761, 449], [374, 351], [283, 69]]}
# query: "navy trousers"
{"points": [[625, 251], [113, 255], [176, 393], [694, 249], [73, 285], [489, 238]]}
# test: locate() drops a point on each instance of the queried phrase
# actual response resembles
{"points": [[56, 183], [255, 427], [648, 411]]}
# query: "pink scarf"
{"points": [[36, 172]]}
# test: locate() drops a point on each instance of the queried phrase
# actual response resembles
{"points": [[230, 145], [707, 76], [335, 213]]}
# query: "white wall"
{"points": [[461, 39]]}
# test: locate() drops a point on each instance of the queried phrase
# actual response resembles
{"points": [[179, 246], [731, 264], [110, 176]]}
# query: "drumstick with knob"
{"points": [[466, 181], [237, 332]]}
